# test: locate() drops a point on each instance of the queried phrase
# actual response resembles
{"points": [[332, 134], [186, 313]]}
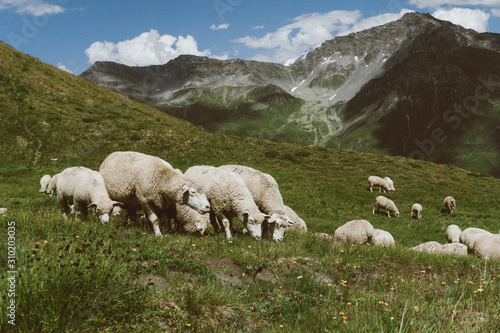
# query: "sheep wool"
{"points": [[149, 183], [229, 198], [453, 233], [416, 211], [374, 181], [387, 204], [44, 182], [266, 195], [354, 231], [450, 204]]}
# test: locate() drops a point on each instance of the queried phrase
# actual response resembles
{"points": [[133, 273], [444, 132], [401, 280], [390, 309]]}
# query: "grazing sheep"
{"points": [[380, 237], [453, 233], [487, 246], [149, 183], [298, 223], [416, 211], [52, 186], [354, 231], [431, 247], [390, 183], [450, 204], [229, 198], [189, 220], [44, 182], [84, 188], [455, 248], [380, 182], [266, 195], [469, 237], [387, 204]]}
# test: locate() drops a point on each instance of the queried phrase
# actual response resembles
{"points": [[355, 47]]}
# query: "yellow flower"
{"points": [[77, 236], [329, 285], [392, 318], [249, 246], [415, 308], [348, 303], [281, 326], [341, 251], [299, 277], [188, 325], [194, 245], [45, 242]]}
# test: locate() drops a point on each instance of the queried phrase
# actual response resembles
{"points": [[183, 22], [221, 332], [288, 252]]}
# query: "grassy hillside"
{"points": [[84, 276]]}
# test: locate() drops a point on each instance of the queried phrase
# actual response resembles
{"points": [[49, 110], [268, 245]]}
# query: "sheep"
{"points": [[44, 182], [416, 211], [387, 204], [354, 231], [229, 197], [149, 183], [380, 237], [189, 220], [380, 182], [52, 186], [390, 183], [487, 246], [85, 189], [431, 247], [450, 204], [266, 195], [455, 248], [298, 223], [453, 233], [469, 237]]}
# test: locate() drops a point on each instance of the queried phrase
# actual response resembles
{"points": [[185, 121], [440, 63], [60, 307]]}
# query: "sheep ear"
{"points": [[271, 218], [94, 204], [185, 188], [289, 220], [116, 203]]}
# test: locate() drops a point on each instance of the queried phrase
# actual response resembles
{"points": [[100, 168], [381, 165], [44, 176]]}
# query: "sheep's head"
{"points": [[254, 224], [194, 199], [104, 211], [279, 224]]}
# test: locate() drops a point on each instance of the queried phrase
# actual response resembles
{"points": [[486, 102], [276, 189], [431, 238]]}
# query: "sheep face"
{"points": [[104, 211], [195, 200], [279, 225], [254, 224]]}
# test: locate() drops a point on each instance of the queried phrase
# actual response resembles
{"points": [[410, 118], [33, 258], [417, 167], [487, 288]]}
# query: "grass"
{"points": [[75, 275]]}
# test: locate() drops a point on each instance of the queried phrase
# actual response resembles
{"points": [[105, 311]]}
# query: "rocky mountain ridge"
{"points": [[386, 89]]}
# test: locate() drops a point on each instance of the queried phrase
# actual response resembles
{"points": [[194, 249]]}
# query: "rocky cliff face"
{"points": [[417, 87]]}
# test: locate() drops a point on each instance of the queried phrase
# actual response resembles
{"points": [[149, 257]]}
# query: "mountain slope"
{"points": [[384, 90]]}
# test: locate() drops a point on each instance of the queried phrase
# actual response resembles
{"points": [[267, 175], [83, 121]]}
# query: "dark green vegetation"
{"points": [[84, 276]]}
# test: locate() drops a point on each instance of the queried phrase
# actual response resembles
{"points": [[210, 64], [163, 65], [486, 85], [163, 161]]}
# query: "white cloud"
{"points": [[439, 3], [32, 7], [495, 12], [222, 26], [258, 27], [149, 48], [310, 30], [63, 67], [468, 18]]}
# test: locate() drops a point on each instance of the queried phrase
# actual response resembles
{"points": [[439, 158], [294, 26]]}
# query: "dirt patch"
{"points": [[227, 270]]}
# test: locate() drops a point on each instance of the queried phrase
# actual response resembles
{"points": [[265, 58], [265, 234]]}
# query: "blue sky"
{"points": [[72, 34]]}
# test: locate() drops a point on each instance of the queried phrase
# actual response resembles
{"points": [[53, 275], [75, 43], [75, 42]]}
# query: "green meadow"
{"points": [[84, 276]]}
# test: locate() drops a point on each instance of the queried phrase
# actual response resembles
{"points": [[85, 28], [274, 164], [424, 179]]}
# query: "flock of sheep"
{"points": [[204, 195], [134, 181], [480, 242]]}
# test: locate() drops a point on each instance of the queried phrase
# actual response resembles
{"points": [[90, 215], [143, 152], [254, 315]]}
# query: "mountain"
{"points": [[417, 87]]}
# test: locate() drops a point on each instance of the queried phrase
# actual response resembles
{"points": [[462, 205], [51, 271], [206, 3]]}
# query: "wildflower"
{"points": [[143, 233], [329, 285], [299, 277], [249, 246], [443, 283], [348, 303], [334, 318], [392, 318], [188, 325], [341, 251], [341, 313], [423, 271], [281, 326], [194, 245], [415, 308], [45, 242], [230, 242]]}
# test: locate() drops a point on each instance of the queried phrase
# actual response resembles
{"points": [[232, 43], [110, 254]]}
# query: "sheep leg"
{"points": [[63, 202], [153, 218], [227, 228]]}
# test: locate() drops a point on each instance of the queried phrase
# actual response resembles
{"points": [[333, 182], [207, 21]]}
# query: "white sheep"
{"points": [[487, 246], [380, 237], [189, 220], [453, 233], [390, 183], [455, 248], [378, 181], [431, 247], [52, 186], [416, 211], [387, 204], [469, 237], [229, 198], [84, 188], [298, 223], [450, 204], [354, 231], [44, 182], [266, 195], [149, 183]]}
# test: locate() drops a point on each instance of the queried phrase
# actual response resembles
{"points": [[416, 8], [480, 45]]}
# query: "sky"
{"points": [[72, 34]]}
